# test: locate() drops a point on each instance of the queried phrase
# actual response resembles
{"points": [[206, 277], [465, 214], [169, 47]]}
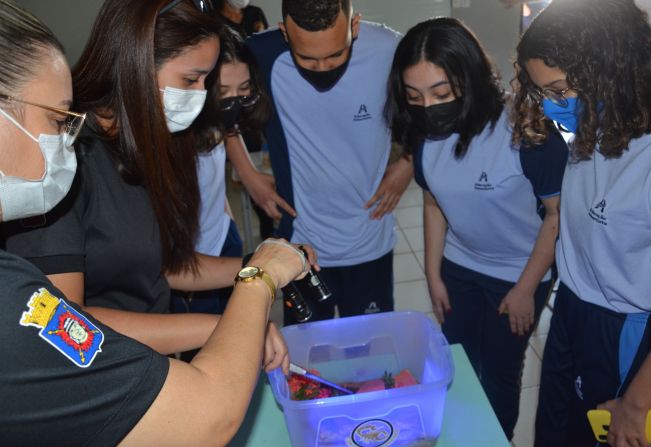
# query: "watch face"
{"points": [[248, 272]]}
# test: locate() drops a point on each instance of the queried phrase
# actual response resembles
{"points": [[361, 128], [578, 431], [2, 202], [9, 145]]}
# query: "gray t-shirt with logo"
{"points": [[604, 249], [491, 196]]}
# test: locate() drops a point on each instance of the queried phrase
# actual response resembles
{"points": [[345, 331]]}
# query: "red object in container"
{"points": [[302, 388]]}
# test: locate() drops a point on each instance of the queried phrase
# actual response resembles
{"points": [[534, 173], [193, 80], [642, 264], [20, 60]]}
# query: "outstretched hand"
{"points": [[262, 189]]}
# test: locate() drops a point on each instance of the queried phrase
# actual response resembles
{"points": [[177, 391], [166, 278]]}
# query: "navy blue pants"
{"points": [[210, 301], [496, 354], [591, 356], [356, 290]]}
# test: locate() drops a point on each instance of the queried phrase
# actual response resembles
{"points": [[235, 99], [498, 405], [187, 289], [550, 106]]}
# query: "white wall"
{"points": [[70, 20], [497, 27], [644, 4]]}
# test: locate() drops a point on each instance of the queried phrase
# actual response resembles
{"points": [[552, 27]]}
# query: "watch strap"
{"points": [[261, 274]]}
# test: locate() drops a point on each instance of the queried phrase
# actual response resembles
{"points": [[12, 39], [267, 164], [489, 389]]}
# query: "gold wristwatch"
{"points": [[250, 273]]}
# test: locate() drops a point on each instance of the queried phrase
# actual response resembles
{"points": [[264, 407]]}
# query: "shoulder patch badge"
{"points": [[63, 327]]}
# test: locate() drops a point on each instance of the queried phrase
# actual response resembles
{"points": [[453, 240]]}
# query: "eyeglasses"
{"points": [[244, 101], [71, 126], [555, 96], [204, 6]]}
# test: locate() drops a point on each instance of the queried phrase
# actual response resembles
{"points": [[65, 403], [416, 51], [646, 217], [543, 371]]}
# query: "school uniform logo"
{"points": [[598, 213], [362, 114], [372, 308], [63, 327], [482, 184]]}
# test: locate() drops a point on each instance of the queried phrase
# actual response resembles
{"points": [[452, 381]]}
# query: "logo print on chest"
{"points": [[483, 184], [362, 114], [598, 213]]}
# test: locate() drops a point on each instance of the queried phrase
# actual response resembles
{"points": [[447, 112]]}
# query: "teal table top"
{"points": [[468, 419]]}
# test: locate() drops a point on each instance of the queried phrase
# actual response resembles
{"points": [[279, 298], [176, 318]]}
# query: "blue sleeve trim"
{"points": [[267, 47], [630, 339], [549, 196], [544, 165]]}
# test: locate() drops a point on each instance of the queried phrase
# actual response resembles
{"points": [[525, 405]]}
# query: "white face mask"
{"points": [[239, 4], [21, 198], [182, 107]]}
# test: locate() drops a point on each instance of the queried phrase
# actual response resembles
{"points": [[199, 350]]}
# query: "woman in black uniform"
{"points": [[66, 379], [126, 232]]}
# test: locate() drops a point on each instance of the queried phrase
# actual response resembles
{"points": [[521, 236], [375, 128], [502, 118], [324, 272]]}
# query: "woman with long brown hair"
{"points": [[68, 379], [126, 233]]}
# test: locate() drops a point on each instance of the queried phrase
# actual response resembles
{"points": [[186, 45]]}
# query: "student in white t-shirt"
{"points": [[235, 104], [488, 253], [585, 65]]}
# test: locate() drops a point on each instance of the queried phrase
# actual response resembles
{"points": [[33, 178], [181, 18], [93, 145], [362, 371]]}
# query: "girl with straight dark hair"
{"points": [[487, 252], [584, 66]]}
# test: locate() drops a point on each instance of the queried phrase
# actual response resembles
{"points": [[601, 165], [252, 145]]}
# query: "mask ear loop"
{"points": [[10, 118]]}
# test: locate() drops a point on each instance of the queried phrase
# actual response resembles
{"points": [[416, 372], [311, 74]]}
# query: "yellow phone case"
{"points": [[600, 422]]}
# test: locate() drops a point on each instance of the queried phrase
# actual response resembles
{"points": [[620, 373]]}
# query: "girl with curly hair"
{"points": [[585, 66], [487, 251]]}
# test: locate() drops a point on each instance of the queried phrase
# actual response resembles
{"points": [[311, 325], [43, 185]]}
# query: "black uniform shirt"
{"points": [[66, 379], [105, 228]]}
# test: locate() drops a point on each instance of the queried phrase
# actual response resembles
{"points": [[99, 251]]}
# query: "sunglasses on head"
{"points": [[204, 6]]}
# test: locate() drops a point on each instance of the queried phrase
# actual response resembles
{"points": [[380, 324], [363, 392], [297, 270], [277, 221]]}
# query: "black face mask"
{"points": [[231, 117], [324, 80], [437, 120]]}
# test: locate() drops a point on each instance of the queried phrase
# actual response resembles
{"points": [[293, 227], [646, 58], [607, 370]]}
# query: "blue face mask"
{"points": [[567, 116]]}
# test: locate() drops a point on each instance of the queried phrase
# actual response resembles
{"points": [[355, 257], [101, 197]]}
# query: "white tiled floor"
{"points": [[411, 294]]}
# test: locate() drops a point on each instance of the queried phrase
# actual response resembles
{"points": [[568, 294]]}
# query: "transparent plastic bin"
{"points": [[362, 348]]}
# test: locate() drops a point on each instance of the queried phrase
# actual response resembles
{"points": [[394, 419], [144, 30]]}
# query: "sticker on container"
{"points": [[373, 433], [401, 427]]}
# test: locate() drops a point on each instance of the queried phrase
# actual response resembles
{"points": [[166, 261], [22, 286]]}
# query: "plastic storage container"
{"points": [[362, 348]]}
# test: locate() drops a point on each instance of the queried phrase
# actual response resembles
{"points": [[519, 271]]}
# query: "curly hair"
{"points": [[604, 48], [449, 44], [315, 15]]}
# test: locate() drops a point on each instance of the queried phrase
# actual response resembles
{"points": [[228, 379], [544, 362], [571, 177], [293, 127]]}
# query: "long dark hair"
{"points": [[604, 47], [115, 79], [208, 125], [449, 44]]}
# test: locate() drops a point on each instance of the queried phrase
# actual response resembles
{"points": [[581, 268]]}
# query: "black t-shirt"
{"points": [[105, 228], [253, 21], [66, 379]]}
